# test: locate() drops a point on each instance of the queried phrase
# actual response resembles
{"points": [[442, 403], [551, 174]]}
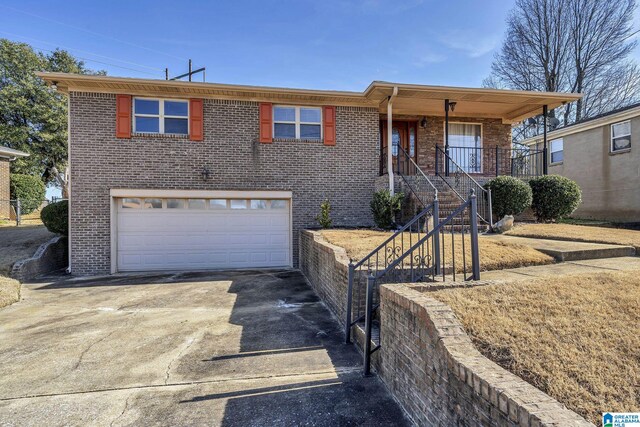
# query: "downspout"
{"points": [[69, 269], [545, 160], [390, 139]]}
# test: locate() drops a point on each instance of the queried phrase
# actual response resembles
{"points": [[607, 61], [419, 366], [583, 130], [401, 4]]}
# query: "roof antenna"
{"points": [[188, 74]]}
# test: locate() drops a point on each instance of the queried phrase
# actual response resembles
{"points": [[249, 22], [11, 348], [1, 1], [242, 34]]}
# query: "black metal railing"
{"points": [[423, 250], [417, 181], [519, 162], [458, 179]]}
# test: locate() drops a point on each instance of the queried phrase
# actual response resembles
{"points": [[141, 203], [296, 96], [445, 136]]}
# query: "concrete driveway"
{"points": [[226, 348]]}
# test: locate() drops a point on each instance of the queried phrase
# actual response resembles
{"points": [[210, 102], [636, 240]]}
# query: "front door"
{"points": [[403, 146]]}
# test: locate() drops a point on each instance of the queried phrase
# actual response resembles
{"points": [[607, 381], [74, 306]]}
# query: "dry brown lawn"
{"points": [[582, 233], [18, 243], [575, 337], [9, 291], [493, 255]]}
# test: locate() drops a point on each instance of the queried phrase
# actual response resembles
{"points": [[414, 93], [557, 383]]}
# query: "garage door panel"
{"points": [[173, 239]]}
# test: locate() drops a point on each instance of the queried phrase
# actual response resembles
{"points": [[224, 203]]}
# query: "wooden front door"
{"points": [[403, 145]]}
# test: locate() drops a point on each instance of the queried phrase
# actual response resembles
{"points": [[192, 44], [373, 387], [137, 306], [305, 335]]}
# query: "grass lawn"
{"points": [[18, 243], [577, 338], [493, 255], [9, 291], [582, 233]]}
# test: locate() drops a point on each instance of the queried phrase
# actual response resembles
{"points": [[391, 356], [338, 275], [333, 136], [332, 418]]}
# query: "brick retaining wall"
{"points": [[427, 360]]}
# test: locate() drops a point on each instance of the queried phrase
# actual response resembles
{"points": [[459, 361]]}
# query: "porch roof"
{"points": [[509, 105], [422, 100]]}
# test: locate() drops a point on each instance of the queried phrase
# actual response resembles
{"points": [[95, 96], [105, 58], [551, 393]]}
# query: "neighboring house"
{"points": [[172, 175], [7, 155], [602, 155]]}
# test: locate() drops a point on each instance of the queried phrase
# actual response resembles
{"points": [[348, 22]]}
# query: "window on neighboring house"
{"points": [[620, 136], [165, 116], [557, 150], [297, 122]]}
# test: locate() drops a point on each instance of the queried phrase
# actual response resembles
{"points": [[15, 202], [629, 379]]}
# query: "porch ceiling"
{"points": [[509, 105]]}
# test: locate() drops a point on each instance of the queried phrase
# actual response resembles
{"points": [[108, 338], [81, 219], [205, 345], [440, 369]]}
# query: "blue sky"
{"points": [[328, 44]]}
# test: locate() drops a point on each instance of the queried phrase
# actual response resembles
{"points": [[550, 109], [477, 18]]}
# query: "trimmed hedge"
{"points": [[509, 196], [56, 217], [29, 189], [384, 208], [554, 197]]}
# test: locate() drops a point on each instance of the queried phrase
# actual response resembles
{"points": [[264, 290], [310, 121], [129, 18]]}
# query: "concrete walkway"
{"points": [[567, 250], [570, 267], [253, 348]]}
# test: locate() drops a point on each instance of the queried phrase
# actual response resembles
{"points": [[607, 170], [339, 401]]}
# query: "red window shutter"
{"points": [[329, 125], [123, 116], [196, 120], [266, 123]]}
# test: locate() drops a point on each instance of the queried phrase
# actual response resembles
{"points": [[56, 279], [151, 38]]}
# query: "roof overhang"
{"points": [[11, 154], [508, 105], [586, 125], [175, 89]]}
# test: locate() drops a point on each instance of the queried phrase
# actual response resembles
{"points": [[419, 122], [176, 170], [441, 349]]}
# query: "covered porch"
{"points": [[444, 130]]}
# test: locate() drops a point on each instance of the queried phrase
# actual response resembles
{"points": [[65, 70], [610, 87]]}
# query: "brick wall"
{"points": [[427, 361], [4, 189], [431, 366], [344, 173], [326, 268]]}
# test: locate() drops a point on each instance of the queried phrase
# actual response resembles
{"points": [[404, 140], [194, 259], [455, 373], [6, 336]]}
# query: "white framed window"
{"points": [[621, 136], [163, 116], [297, 122], [465, 146], [557, 150]]}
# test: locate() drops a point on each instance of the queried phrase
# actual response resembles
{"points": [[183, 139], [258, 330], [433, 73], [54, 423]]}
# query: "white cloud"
{"points": [[428, 58], [472, 45]]}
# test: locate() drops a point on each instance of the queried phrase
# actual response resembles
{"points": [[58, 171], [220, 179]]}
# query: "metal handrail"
{"points": [[487, 192], [407, 156], [387, 250], [415, 219], [461, 169], [434, 235]]}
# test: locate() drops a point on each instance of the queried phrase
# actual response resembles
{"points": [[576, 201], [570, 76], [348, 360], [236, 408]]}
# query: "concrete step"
{"points": [[601, 265], [564, 251]]}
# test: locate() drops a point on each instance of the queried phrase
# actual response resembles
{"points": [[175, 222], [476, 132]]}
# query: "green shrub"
{"points": [[324, 217], [30, 190], [56, 217], [384, 208], [554, 197], [509, 195]]}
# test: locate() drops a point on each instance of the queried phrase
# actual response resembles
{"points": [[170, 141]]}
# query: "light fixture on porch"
{"points": [[423, 122], [452, 105]]}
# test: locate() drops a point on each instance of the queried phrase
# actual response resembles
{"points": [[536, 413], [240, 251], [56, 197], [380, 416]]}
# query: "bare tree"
{"points": [[573, 46]]}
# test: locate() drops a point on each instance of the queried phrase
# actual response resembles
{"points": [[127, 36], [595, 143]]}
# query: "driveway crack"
{"points": [[188, 343], [126, 406]]}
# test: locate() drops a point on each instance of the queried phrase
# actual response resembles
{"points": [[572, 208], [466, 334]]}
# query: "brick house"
{"points": [[608, 144], [7, 155], [170, 175]]}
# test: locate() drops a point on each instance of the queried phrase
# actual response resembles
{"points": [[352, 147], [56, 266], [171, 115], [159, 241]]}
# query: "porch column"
{"points": [[390, 139], [545, 165], [446, 137]]}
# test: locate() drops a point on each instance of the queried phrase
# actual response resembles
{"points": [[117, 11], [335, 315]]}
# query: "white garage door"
{"points": [[192, 234]]}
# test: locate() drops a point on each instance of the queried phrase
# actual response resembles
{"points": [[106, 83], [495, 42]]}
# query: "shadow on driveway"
{"points": [[232, 348]]}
